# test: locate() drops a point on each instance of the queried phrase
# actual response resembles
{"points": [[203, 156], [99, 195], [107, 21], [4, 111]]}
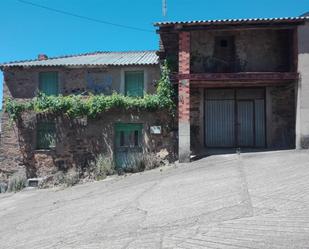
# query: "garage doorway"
{"points": [[235, 118]]}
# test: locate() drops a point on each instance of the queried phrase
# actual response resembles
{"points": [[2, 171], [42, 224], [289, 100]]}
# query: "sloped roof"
{"points": [[237, 21], [93, 59]]}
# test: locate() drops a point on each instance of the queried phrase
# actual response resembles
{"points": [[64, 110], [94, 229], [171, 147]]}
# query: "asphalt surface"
{"points": [[254, 201]]}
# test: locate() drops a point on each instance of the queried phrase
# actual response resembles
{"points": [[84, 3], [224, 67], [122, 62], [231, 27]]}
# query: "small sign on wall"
{"points": [[155, 129]]}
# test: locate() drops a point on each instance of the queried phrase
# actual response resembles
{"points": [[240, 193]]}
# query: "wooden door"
{"points": [[128, 144]]}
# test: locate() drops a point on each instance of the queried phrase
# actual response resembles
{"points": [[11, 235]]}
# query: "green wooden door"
{"points": [[134, 83], [48, 83], [128, 140]]}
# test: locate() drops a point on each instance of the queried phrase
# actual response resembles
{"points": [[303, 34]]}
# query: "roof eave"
{"points": [[3, 67], [292, 21]]}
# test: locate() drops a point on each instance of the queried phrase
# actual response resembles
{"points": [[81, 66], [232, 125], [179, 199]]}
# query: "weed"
{"points": [[141, 162], [102, 166], [3, 187], [71, 178], [17, 182]]}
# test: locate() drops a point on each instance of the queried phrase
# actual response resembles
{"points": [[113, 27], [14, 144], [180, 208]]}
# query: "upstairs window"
{"points": [[224, 43], [134, 83], [48, 83], [46, 135], [224, 54]]}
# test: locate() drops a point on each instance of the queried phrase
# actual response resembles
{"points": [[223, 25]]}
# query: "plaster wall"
{"points": [[302, 121]]}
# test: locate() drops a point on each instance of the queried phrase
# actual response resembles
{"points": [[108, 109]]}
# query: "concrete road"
{"points": [[257, 200]]}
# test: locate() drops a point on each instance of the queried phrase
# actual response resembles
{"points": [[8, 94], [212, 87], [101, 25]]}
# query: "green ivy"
{"points": [[92, 105]]}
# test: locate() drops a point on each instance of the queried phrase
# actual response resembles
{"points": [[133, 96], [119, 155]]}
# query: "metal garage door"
{"points": [[245, 123], [234, 118]]}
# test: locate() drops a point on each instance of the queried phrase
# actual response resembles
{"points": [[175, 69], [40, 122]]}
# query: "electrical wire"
{"points": [[84, 17]]}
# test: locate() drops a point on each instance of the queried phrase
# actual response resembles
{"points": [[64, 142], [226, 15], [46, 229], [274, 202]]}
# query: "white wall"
{"points": [[302, 118]]}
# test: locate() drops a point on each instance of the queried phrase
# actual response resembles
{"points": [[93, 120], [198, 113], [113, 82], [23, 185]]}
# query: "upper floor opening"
{"points": [[234, 46], [242, 51]]}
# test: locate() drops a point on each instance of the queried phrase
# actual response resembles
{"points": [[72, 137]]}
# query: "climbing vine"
{"points": [[92, 105]]}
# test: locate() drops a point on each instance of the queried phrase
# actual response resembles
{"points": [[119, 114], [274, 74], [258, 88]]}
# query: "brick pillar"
{"points": [[184, 98]]}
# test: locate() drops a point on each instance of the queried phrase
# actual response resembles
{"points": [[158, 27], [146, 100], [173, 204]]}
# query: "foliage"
{"points": [[141, 162], [151, 161], [15, 108], [60, 178], [17, 182], [52, 180], [102, 166], [3, 187], [71, 178], [92, 105], [165, 90]]}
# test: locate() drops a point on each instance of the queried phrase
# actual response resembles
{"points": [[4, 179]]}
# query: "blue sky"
{"points": [[27, 30]]}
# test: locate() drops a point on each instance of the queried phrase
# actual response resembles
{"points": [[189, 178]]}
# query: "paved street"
{"points": [[257, 200]]}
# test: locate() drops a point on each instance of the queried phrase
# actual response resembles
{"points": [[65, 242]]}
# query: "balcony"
{"points": [[237, 79]]}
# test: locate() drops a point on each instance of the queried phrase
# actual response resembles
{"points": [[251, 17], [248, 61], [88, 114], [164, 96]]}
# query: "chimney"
{"points": [[42, 57]]}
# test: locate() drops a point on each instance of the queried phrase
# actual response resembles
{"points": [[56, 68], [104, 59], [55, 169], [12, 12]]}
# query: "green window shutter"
{"points": [[134, 83], [48, 83], [46, 135]]}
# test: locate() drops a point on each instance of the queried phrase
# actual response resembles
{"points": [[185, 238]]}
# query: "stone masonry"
{"points": [[78, 140]]}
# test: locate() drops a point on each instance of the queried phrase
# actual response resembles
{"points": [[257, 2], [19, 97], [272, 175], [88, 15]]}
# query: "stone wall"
{"points": [[255, 50], [78, 141], [75, 142], [196, 120], [24, 82], [10, 155], [280, 116], [169, 48], [11, 159]]}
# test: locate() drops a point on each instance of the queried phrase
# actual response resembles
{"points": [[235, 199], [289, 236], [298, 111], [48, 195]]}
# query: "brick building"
{"points": [[242, 83]]}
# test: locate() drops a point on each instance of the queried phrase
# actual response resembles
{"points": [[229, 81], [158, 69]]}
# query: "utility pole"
{"points": [[164, 8]]}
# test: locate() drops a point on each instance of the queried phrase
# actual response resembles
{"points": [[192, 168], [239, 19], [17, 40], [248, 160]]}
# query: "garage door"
{"points": [[234, 118]]}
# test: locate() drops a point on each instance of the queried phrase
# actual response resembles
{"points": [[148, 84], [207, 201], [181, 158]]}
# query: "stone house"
{"points": [[47, 143], [242, 83]]}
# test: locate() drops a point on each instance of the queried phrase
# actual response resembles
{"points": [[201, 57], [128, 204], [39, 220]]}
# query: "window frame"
{"points": [[137, 133], [130, 69], [40, 82], [39, 129], [125, 82]]}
